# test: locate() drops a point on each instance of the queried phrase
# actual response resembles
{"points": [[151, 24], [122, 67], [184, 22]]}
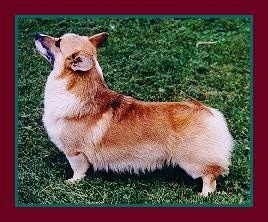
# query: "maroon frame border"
{"points": [[11, 8]]}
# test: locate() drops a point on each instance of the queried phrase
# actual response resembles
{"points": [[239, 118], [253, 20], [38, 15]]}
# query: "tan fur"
{"points": [[108, 130]]}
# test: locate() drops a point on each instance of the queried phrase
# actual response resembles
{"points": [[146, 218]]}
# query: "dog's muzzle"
{"points": [[43, 49]]}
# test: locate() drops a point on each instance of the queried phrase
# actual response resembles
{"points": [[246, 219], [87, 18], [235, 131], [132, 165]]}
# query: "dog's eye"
{"points": [[57, 43]]}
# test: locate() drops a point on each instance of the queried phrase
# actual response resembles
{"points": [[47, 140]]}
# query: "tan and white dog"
{"points": [[97, 127]]}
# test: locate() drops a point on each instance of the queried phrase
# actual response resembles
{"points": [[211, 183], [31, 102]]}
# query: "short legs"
{"points": [[80, 165], [209, 184]]}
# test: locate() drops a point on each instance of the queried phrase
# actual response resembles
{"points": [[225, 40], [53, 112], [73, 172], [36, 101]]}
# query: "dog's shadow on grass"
{"points": [[168, 175]]}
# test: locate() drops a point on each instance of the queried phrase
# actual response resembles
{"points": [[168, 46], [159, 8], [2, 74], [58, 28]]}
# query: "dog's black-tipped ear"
{"points": [[98, 39], [80, 62]]}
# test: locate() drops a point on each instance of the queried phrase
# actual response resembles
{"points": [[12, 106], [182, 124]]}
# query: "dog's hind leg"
{"points": [[80, 165], [209, 179], [209, 184]]}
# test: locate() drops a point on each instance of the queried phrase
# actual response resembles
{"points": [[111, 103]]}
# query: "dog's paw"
{"points": [[202, 194], [75, 179], [72, 180]]}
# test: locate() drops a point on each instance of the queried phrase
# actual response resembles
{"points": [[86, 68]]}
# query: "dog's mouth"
{"points": [[43, 49]]}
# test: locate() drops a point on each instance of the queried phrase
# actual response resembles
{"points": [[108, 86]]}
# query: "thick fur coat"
{"points": [[97, 127]]}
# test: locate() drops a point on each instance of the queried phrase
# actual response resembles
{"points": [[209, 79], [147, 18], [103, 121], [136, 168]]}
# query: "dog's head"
{"points": [[71, 51]]}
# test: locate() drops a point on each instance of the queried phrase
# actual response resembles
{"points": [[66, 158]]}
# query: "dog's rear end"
{"points": [[95, 126]]}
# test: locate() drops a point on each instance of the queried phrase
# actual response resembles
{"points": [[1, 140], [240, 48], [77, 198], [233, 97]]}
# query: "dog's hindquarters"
{"points": [[205, 149]]}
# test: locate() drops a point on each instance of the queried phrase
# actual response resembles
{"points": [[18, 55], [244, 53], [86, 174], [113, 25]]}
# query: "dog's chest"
{"points": [[58, 104]]}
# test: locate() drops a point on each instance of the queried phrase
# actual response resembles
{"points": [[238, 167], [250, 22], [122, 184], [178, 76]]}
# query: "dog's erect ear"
{"points": [[98, 39], [80, 62]]}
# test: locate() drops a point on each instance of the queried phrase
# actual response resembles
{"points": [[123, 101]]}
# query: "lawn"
{"points": [[152, 59]]}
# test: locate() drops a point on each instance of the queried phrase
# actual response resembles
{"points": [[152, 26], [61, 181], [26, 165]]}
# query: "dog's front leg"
{"points": [[80, 165]]}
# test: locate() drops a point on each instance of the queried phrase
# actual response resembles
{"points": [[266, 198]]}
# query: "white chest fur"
{"points": [[58, 104]]}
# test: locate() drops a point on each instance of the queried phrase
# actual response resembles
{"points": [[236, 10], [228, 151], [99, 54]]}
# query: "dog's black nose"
{"points": [[38, 36]]}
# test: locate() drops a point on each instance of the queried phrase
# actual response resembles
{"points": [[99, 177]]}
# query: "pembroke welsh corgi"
{"points": [[95, 126]]}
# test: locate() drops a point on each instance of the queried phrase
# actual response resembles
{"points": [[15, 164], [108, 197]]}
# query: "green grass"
{"points": [[155, 59]]}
